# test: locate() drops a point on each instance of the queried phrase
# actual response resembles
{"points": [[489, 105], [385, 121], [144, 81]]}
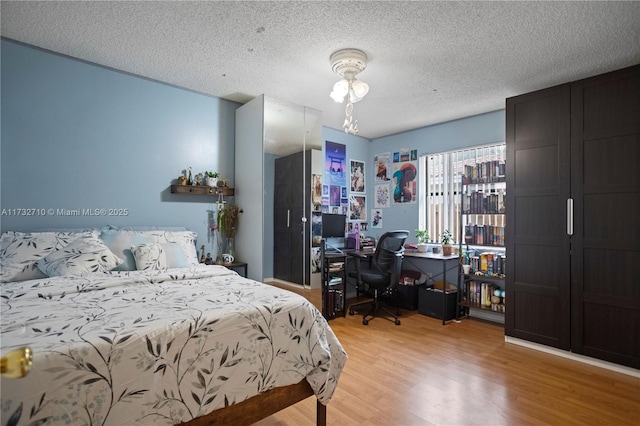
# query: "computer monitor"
{"points": [[333, 225]]}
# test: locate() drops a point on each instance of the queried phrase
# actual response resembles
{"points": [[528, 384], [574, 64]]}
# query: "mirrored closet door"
{"points": [[278, 148]]}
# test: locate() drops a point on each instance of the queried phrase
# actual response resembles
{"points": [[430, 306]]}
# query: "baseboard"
{"points": [[287, 283], [573, 356]]}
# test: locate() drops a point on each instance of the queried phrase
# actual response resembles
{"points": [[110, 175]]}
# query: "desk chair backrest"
{"points": [[387, 258]]}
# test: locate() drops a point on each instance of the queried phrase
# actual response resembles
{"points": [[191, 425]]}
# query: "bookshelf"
{"points": [[334, 279], [481, 238]]}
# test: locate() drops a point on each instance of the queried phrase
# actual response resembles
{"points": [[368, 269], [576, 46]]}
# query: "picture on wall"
{"points": [[335, 164], [344, 206], [382, 167], [316, 228], [382, 196], [357, 176], [376, 218], [316, 191], [316, 258], [358, 208], [404, 181], [334, 195]]}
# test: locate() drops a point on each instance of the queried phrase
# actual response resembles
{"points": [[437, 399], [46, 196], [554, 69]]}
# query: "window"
{"points": [[440, 206]]}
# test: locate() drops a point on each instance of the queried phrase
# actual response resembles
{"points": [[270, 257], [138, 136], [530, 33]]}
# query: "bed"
{"points": [[168, 342]]}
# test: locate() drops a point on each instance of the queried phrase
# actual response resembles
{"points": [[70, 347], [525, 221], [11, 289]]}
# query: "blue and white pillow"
{"points": [[80, 257], [179, 246], [149, 257]]}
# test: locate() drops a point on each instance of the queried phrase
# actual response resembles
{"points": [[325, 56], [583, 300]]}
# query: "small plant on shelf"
{"points": [[446, 239], [211, 178], [423, 236]]}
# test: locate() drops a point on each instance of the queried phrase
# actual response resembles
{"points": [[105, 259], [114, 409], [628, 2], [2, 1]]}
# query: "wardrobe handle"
{"points": [[570, 216], [288, 217]]}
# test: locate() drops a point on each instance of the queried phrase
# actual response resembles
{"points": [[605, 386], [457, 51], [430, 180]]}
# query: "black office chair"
{"points": [[381, 280]]}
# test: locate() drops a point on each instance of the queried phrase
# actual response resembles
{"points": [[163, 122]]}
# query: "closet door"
{"points": [[605, 186], [538, 155], [288, 210]]}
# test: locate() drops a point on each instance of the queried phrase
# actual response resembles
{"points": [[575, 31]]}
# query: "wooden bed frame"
{"points": [[260, 406]]}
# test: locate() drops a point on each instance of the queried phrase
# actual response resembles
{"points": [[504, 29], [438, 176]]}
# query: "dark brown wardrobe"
{"points": [[573, 201], [291, 235]]}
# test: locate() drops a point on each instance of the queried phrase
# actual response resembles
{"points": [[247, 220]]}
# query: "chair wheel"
{"points": [[397, 322], [365, 321]]}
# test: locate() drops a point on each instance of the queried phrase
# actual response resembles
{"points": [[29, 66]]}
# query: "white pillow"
{"points": [[19, 252], [149, 257], [81, 257]]}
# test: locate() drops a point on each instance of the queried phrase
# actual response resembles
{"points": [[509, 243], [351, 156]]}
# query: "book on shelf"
{"points": [[486, 172], [481, 202], [483, 294], [334, 302], [484, 235]]}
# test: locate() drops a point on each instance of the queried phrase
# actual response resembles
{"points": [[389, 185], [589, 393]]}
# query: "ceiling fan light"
{"points": [[360, 88], [347, 63], [340, 90]]}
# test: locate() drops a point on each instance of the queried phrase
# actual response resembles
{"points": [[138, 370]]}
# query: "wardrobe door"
{"points": [[297, 253], [538, 154], [605, 187], [288, 228]]}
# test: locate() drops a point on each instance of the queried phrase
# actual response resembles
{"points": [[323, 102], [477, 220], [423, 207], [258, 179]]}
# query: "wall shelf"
{"points": [[202, 190]]}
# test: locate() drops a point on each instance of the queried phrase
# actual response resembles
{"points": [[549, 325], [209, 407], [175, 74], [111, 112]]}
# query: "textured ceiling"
{"points": [[429, 62]]}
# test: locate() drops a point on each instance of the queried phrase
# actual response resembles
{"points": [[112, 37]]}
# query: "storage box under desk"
{"points": [[406, 297], [430, 302]]}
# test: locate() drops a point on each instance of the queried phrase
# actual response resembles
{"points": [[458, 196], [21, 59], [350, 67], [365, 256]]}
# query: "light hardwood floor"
{"points": [[423, 373]]}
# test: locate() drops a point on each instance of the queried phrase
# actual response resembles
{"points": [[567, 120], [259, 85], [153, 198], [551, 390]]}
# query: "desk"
{"points": [[410, 256]]}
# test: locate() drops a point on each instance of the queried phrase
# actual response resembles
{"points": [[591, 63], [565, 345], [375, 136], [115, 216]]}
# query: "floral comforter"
{"points": [[158, 348]]}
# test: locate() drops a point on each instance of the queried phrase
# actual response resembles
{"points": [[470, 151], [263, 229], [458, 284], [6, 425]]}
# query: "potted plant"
{"points": [[211, 178], [423, 236], [227, 224], [446, 239]]}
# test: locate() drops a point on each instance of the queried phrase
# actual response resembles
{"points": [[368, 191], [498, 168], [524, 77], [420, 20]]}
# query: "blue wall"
{"points": [[77, 135]]}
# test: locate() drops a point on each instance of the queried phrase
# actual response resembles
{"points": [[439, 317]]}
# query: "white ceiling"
{"points": [[429, 62]]}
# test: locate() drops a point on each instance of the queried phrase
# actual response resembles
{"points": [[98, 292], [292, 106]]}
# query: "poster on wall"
{"points": [[382, 196], [315, 260], [316, 228], [334, 195], [357, 176], [404, 181], [344, 206], [335, 164], [382, 167], [316, 191], [376, 218], [358, 208]]}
